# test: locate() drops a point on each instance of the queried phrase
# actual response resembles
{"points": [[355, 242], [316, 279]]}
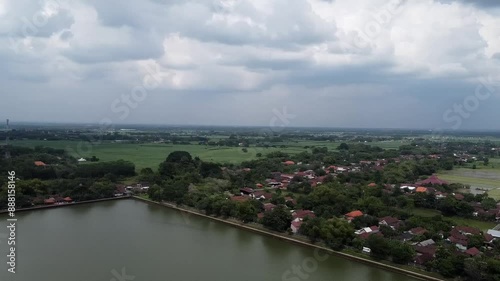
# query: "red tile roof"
{"points": [[418, 231], [468, 230], [40, 164], [239, 198], [473, 251], [302, 214], [354, 214], [433, 180], [421, 189]]}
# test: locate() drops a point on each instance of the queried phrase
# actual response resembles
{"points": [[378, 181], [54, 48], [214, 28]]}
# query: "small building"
{"points": [[473, 252], [82, 160], [67, 199], [421, 189], [239, 198], [49, 201], [246, 190], [417, 231], [40, 164], [391, 222], [269, 207], [354, 214], [295, 226], [432, 180]]}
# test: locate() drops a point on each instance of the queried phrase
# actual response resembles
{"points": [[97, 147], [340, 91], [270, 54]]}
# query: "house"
{"points": [[405, 236], [432, 180], [440, 195], [369, 230], [459, 196], [391, 222], [409, 188], [354, 214], [425, 243], [295, 226], [261, 195], [49, 201], [417, 231], [289, 163], [291, 201], [466, 230], [473, 252], [461, 244], [494, 233], [120, 190], [421, 189], [422, 259], [82, 160], [428, 250], [67, 199], [40, 164], [239, 198], [488, 238], [269, 207], [372, 184], [301, 214], [246, 190]]}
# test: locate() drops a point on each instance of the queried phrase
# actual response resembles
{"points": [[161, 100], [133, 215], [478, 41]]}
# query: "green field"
{"points": [[486, 177], [483, 225], [147, 155], [151, 155]]}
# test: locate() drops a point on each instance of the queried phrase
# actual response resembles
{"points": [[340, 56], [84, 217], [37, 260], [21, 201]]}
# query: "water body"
{"points": [[129, 240]]}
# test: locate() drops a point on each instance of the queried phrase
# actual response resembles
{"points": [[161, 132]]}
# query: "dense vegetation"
{"points": [[214, 188]]}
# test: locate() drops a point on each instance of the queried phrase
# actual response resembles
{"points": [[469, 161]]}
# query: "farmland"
{"points": [[484, 177], [483, 225], [151, 154]]}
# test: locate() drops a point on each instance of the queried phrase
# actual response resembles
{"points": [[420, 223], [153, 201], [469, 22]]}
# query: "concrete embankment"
{"points": [[65, 204], [417, 275]]}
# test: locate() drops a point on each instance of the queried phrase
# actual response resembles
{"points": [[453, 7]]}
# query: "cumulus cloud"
{"points": [[333, 63]]}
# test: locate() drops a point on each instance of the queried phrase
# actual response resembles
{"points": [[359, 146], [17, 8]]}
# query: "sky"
{"points": [[427, 64]]}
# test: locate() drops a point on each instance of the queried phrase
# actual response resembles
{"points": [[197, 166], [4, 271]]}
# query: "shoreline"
{"points": [[66, 204], [392, 268]]}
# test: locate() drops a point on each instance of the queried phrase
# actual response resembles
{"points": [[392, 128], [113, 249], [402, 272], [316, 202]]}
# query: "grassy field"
{"points": [[151, 155], [147, 155], [486, 177], [483, 225]]}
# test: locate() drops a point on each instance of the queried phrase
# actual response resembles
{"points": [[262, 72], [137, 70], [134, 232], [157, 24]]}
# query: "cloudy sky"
{"points": [[335, 63]]}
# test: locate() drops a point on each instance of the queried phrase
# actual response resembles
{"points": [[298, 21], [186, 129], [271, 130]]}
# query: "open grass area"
{"points": [[147, 155], [485, 178], [483, 225], [151, 154]]}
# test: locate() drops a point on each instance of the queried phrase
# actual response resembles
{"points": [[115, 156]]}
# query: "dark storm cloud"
{"points": [[245, 58]]}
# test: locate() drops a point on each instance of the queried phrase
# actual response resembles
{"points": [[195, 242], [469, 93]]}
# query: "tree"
{"points": [[247, 212], [179, 156], [379, 246], [208, 169], [402, 253], [343, 146], [278, 219]]}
